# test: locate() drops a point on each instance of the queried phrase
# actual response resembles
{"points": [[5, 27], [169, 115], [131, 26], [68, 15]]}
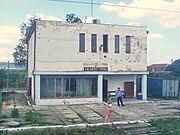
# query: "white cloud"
{"points": [[133, 24], [166, 19], [6, 54], [154, 35], [9, 35], [43, 17]]}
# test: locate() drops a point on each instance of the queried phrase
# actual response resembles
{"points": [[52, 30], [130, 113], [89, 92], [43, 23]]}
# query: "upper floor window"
{"points": [[116, 44], [128, 44], [93, 43], [105, 43], [81, 42]]}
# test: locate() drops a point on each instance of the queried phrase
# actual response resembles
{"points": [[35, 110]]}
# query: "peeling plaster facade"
{"points": [[53, 50]]}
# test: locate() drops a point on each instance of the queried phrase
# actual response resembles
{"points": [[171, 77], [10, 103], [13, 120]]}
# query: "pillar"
{"points": [[100, 87], [144, 87]]}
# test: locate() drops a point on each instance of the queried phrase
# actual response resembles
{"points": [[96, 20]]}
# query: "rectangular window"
{"points": [[93, 43], [80, 87], [105, 43], [58, 87], [94, 86], [72, 87], [69, 86], [116, 43], [50, 88], [66, 87], [43, 89], [81, 42], [128, 44]]}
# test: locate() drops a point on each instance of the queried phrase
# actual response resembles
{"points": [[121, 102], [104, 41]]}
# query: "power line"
{"points": [[116, 5]]}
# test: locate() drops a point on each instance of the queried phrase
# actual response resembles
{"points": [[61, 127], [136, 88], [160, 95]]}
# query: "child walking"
{"points": [[108, 104]]}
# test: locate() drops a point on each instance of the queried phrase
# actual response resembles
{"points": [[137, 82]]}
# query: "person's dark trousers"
{"points": [[119, 99]]}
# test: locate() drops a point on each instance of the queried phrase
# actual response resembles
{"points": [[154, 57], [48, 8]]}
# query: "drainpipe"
{"points": [[34, 66]]}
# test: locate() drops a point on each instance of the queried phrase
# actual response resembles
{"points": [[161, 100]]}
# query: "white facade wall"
{"points": [[57, 47], [115, 81], [54, 50]]}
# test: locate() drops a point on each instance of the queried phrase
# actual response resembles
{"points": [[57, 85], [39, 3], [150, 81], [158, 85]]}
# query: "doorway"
{"points": [[129, 89], [105, 89]]}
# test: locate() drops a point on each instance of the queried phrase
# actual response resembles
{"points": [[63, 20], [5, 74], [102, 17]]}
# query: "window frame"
{"points": [[93, 43], [116, 44], [67, 79], [105, 43], [128, 44], [82, 42]]}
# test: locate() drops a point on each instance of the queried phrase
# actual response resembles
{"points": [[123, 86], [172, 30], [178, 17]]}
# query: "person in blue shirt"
{"points": [[119, 96]]}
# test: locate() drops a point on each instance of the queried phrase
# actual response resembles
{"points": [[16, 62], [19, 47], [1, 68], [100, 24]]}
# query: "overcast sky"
{"points": [[162, 18]]}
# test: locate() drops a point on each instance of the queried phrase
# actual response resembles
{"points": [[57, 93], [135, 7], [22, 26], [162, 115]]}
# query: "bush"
{"points": [[33, 117], [15, 113]]}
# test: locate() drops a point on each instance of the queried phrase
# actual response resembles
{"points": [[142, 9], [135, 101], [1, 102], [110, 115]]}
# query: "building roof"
{"points": [[157, 67]]}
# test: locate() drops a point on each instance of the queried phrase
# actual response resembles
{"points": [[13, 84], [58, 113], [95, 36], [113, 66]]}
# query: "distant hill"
{"points": [[4, 65]]}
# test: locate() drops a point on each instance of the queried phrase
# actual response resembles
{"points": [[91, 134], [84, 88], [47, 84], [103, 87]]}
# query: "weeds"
{"points": [[33, 117], [170, 126]]}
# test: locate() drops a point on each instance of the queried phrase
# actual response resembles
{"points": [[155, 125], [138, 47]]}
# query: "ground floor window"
{"points": [[68, 86]]}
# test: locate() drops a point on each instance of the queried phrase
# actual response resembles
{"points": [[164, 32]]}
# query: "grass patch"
{"points": [[33, 117], [72, 120], [170, 126], [100, 130]]}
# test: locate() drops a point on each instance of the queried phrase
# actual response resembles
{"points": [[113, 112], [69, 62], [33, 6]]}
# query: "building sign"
{"points": [[95, 68]]}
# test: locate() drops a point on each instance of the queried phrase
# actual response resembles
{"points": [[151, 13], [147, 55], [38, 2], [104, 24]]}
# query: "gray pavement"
{"points": [[134, 111]]}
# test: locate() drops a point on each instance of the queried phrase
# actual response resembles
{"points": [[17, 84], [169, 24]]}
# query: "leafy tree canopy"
{"points": [[175, 67], [20, 52], [72, 18]]}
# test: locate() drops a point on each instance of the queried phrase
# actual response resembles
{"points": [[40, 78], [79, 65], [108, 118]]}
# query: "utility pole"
{"points": [[92, 8], [8, 76]]}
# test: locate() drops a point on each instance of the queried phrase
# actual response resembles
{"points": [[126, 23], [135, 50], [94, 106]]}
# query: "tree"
{"points": [[72, 18], [2, 78], [175, 67], [20, 52]]}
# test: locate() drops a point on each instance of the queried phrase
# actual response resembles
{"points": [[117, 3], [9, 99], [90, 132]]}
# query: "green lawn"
{"points": [[100, 130], [170, 126]]}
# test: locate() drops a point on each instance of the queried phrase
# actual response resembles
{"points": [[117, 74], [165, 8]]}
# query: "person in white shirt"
{"points": [[119, 96]]}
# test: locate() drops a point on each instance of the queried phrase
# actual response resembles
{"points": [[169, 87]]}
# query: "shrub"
{"points": [[33, 117], [15, 113]]}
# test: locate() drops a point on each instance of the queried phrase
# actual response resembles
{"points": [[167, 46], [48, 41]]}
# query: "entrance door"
{"points": [[105, 88], [129, 89]]}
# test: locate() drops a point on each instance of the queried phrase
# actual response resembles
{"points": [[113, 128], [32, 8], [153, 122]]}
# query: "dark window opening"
{"points": [[116, 44], [81, 42], [93, 43], [105, 43], [128, 44]]}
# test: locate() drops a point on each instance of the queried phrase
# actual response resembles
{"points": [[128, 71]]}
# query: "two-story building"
{"points": [[80, 62]]}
